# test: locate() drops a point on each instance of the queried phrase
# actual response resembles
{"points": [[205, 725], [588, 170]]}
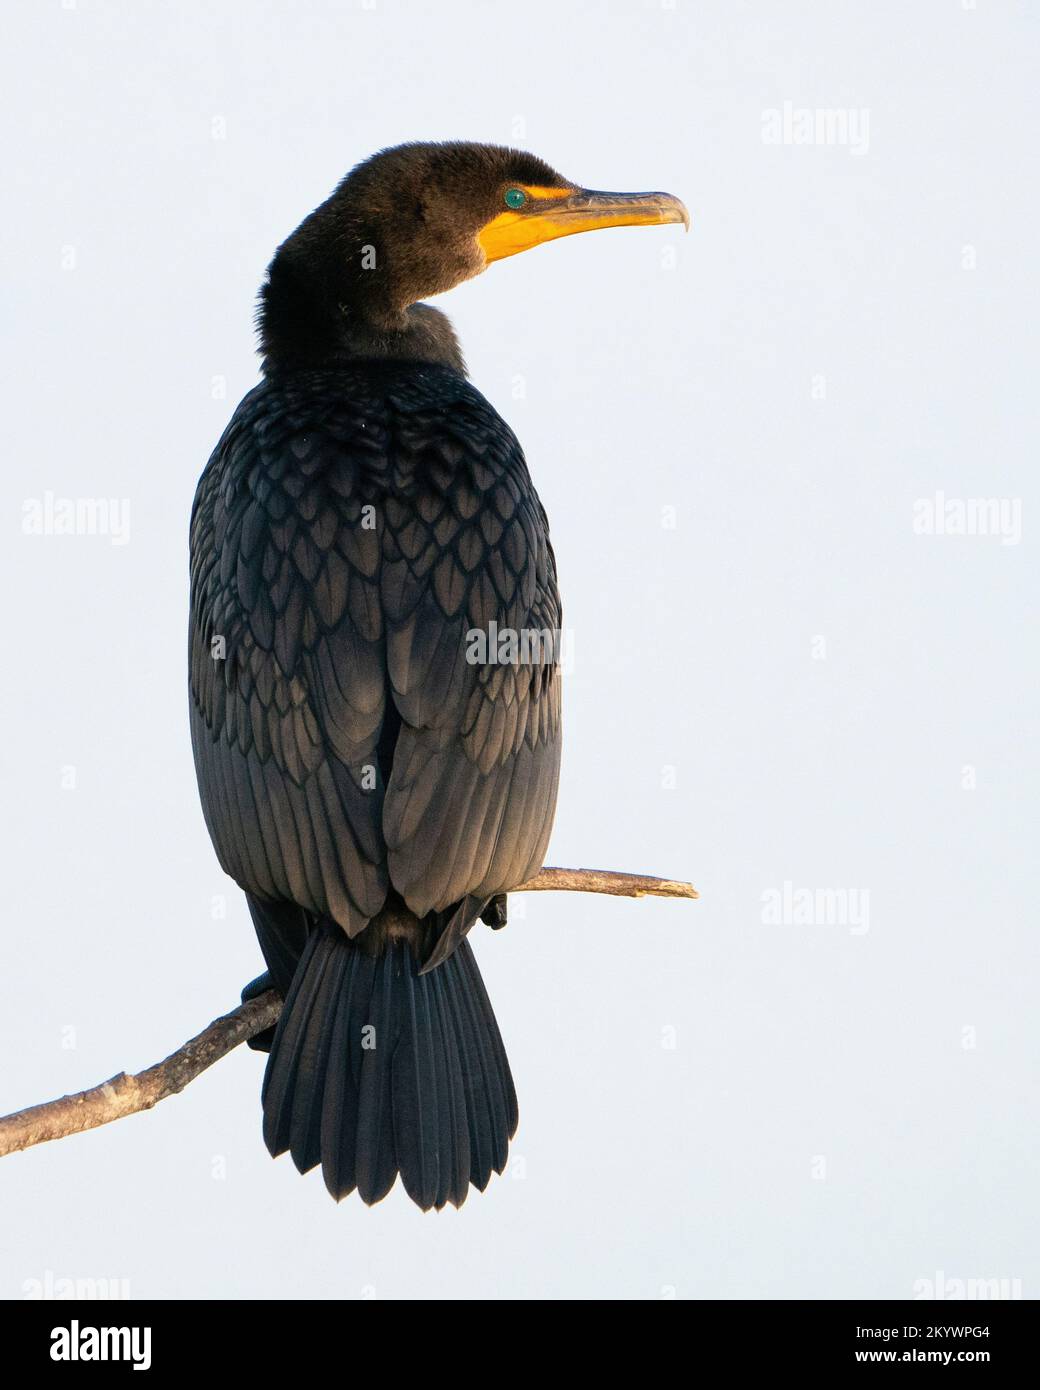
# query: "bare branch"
{"points": [[606, 881], [126, 1095]]}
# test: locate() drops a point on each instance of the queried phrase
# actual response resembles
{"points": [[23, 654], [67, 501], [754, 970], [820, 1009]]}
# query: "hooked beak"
{"points": [[556, 212]]}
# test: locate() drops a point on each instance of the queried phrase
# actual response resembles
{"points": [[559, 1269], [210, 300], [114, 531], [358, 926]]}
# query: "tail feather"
{"points": [[376, 1169], [454, 1136], [480, 1080], [282, 1103], [419, 1103], [496, 1077], [339, 1112], [313, 1057], [378, 1069]]}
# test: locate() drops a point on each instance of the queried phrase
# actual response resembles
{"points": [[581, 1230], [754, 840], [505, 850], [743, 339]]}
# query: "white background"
{"points": [[823, 1126]]}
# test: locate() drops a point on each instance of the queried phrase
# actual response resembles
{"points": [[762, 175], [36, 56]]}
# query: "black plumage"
{"points": [[373, 789]]}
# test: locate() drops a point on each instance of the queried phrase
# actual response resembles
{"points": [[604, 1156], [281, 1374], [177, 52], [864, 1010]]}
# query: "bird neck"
{"points": [[318, 308]]}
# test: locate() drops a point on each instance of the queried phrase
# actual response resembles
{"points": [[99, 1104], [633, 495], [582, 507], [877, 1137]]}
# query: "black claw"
{"points": [[495, 914]]}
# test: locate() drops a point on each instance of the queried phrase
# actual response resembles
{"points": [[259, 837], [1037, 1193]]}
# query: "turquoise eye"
{"points": [[515, 198]]}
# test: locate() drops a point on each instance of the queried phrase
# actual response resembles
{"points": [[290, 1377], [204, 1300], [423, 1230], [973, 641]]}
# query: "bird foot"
{"points": [[262, 1042], [255, 988], [495, 915]]}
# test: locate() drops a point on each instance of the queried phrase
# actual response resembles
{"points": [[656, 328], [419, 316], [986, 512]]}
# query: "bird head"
{"points": [[416, 220]]}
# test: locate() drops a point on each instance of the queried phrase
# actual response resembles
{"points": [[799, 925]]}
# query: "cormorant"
{"points": [[373, 789]]}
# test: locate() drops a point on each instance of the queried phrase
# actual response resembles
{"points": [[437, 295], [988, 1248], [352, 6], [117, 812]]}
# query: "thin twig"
{"points": [[606, 881], [126, 1095]]}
